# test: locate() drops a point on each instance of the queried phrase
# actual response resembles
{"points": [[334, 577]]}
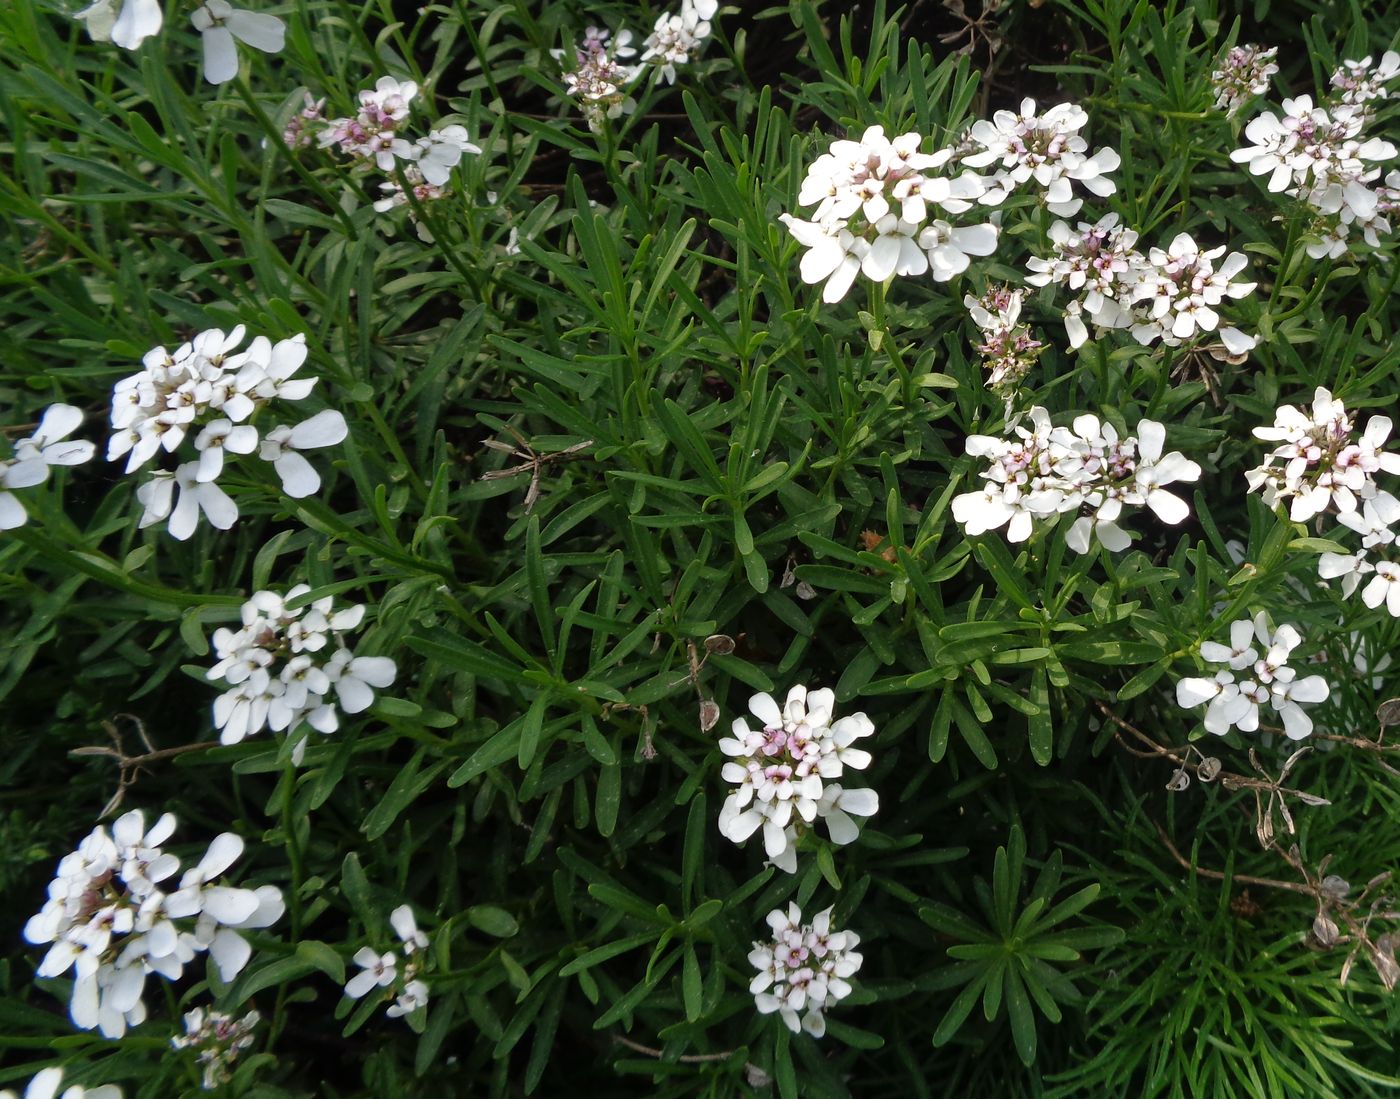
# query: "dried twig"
{"points": [[129, 767]]}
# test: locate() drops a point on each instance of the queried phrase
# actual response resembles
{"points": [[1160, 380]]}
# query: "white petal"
{"points": [[262, 32], [220, 55], [230, 952]]}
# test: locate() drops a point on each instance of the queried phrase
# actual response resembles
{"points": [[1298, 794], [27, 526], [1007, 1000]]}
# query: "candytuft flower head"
{"points": [[677, 38], [1047, 149], [599, 79], [219, 23], [1262, 655], [112, 918], [1042, 471], [780, 770], [803, 970], [872, 216], [286, 664]]}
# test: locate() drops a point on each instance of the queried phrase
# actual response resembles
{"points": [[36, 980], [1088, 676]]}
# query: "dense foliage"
{"points": [[611, 432]]}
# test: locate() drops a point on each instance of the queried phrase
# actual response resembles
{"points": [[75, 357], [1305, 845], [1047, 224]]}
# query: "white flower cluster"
{"points": [[1170, 294], [1008, 349], [218, 1039], [600, 79], [601, 75], [1244, 73], [1044, 471], [46, 1083], [1231, 702], [110, 921], [1045, 149], [804, 969], [31, 458], [873, 215], [283, 664], [204, 384], [1322, 156], [128, 23], [373, 136], [377, 970], [782, 773], [678, 38], [1322, 464]]}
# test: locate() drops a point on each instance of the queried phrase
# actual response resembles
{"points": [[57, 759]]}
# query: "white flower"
{"points": [[406, 928], [282, 667], [195, 497], [219, 1039], [438, 153], [413, 996], [803, 970], [675, 40], [1181, 287], [280, 446], [46, 1083], [1060, 470], [834, 256], [50, 441], [137, 21], [376, 971], [1322, 464], [1045, 148], [1384, 587], [218, 436], [949, 247], [1244, 73], [23, 474], [219, 23]]}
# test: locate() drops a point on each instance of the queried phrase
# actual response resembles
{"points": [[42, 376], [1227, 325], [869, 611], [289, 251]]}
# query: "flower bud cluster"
{"points": [[1008, 349], [1244, 73], [1322, 156], [111, 920], [804, 969], [783, 772], [32, 457], [383, 971], [1039, 472], [285, 662], [1232, 702], [599, 79], [207, 392], [1169, 294], [218, 1039]]}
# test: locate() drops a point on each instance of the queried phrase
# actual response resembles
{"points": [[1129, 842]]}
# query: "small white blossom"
{"points": [[219, 23], [676, 39], [1320, 464], [137, 21], [441, 151]]}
